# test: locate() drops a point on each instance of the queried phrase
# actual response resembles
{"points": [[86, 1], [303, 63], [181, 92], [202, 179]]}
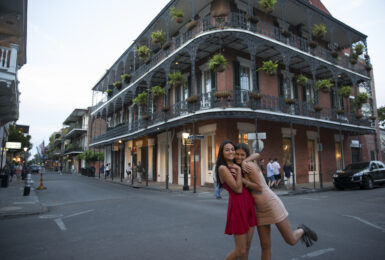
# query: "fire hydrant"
{"points": [[27, 187]]}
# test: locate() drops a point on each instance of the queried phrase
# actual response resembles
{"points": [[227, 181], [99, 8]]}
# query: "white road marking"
{"points": [[79, 213], [50, 216], [307, 198], [366, 222], [60, 224], [315, 253]]}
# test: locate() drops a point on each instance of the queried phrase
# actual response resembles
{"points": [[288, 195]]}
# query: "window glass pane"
{"points": [[338, 156], [245, 139], [245, 78], [207, 82], [311, 155], [286, 149], [239, 138]]}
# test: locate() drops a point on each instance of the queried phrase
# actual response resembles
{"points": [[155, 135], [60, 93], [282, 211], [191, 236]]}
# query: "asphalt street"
{"points": [[92, 219]]}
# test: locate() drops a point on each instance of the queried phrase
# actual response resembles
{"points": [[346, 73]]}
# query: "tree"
{"points": [[381, 115], [17, 136]]}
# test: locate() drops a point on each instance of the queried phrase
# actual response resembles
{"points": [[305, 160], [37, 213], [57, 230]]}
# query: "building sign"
{"points": [[13, 145]]}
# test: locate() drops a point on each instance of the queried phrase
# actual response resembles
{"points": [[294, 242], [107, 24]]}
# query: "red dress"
{"points": [[240, 212]]}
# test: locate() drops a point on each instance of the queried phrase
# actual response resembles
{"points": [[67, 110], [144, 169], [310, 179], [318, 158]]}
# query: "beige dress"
{"points": [[269, 208]]}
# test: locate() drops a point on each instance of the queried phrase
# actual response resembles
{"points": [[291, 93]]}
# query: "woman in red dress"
{"points": [[241, 217]]}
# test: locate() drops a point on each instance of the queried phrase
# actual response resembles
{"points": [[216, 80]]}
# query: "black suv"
{"points": [[363, 175]]}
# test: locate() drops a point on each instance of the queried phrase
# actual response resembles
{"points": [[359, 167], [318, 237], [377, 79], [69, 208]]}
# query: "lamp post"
{"points": [[24, 166], [185, 185]]}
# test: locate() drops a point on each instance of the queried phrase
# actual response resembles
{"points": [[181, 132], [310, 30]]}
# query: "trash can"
{"points": [[4, 180]]}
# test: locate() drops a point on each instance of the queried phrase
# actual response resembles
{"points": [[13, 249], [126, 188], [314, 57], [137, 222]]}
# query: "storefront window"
{"points": [[311, 155], [338, 155]]}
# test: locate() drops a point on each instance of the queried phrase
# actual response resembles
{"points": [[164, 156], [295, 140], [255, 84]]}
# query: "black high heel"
{"points": [[308, 236]]}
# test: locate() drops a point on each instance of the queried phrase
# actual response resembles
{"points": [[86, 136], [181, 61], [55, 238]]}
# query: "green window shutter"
{"points": [[237, 79]]}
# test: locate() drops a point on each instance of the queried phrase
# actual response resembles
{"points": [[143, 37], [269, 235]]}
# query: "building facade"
{"points": [[141, 114], [75, 140], [13, 30]]}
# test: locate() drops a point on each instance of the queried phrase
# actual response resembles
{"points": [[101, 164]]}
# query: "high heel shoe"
{"points": [[308, 236]]}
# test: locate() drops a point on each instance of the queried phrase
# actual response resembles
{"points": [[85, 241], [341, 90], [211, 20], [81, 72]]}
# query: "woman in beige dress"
{"points": [[269, 208]]}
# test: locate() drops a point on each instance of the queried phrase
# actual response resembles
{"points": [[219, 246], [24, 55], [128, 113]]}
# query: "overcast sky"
{"points": [[70, 45]]}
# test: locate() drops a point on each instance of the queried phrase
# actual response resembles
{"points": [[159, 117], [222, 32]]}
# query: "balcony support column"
{"points": [[192, 2], [336, 96], [193, 54]]}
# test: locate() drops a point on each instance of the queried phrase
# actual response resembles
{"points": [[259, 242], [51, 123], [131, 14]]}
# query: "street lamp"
{"points": [[185, 185], [25, 158]]}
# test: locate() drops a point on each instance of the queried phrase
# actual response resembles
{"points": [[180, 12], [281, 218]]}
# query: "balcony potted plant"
{"points": [[269, 67], [158, 37], [165, 108], [268, 5], [109, 92], [176, 79], [290, 101], [145, 117], [222, 94], [166, 46], [359, 49], [140, 98], [176, 14], [340, 111], [358, 115], [252, 18], [345, 91], [317, 108], [324, 85], [319, 31], [353, 58], [302, 80], [126, 78], [157, 91], [372, 117], [143, 52], [218, 63], [192, 99], [117, 84], [255, 95], [191, 25], [369, 67], [362, 98]]}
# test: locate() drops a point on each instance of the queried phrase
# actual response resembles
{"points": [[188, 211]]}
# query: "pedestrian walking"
{"points": [[277, 172], [73, 170], [261, 165], [270, 173], [217, 189], [12, 171], [101, 170], [271, 210], [107, 170], [287, 169], [139, 172], [61, 169], [241, 218], [19, 169], [129, 172]]}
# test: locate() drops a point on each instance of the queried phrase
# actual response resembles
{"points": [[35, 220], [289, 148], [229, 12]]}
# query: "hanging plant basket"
{"points": [[191, 25], [324, 85], [218, 63], [359, 49], [319, 31], [109, 92], [302, 80], [255, 95], [267, 5], [158, 37], [345, 91], [192, 99], [286, 33], [143, 52], [117, 84], [126, 78], [176, 15], [373, 118], [176, 79], [269, 67], [317, 108], [157, 91]]}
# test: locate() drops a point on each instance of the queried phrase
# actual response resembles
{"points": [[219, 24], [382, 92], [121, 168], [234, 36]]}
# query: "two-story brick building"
{"points": [[291, 71]]}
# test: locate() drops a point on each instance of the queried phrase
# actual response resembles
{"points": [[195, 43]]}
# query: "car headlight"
{"points": [[358, 174], [335, 175]]}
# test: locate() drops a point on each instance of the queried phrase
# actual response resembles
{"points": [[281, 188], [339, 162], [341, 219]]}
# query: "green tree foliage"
{"points": [[381, 115], [18, 136]]}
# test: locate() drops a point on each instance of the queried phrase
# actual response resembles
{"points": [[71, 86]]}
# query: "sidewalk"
{"points": [[161, 186], [14, 204]]}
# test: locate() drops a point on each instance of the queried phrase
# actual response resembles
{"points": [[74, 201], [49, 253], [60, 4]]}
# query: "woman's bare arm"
{"points": [[227, 177], [252, 157], [252, 171]]}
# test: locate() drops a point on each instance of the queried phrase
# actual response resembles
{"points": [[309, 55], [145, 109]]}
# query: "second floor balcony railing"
{"points": [[236, 99]]}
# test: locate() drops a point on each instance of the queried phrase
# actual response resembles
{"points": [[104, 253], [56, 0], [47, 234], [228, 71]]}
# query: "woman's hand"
{"points": [[247, 167], [235, 169]]}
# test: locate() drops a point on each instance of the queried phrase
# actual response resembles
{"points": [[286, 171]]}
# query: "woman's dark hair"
{"points": [[221, 160], [244, 147]]}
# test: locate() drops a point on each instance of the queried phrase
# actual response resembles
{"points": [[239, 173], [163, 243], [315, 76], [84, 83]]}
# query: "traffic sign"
{"points": [[196, 137]]}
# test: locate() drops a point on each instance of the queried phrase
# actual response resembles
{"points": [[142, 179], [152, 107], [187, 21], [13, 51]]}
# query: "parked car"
{"points": [[363, 175], [35, 168]]}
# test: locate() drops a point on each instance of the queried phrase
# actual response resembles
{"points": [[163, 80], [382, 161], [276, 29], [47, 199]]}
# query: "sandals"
{"points": [[309, 236]]}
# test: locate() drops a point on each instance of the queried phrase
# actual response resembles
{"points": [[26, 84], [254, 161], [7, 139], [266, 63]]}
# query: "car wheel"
{"points": [[369, 183], [338, 187]]}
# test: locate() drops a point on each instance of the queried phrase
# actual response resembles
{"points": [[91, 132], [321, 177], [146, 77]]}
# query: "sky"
{"points": [[71, 44]]}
